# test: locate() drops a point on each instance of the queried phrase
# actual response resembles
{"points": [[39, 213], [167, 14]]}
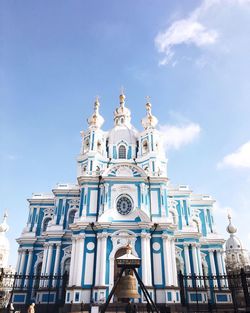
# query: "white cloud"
{"points": [[196, 29], [186, 31], [238, 159], [177, 136]]}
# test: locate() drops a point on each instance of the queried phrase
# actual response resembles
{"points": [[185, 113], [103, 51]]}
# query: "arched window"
{"points": [[45, 223], [66, 266], [71, 216], [122, 152], [38, 275]]}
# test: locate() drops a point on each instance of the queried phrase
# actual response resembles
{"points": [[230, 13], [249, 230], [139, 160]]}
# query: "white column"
{"points": [[98, 259], [72, 261], [45, 254], [220, 267], [212, 265], [21, 268], [48, 264], [173, 262], [81, 239], [144, 257], [20, 271], [102, 273], [187, 259], [200, 263], [57, 259], [195, 263], [148, 256], [167, 260], [18, 260], [56, 263], [28, 267], [76, 259], [224, 267], [187, 262]]}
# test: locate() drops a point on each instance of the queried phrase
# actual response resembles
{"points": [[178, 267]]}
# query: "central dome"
{"points": [[123, 133]]}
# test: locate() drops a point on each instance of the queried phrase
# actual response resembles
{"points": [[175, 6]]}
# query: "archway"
{"points": [[119, 253]]}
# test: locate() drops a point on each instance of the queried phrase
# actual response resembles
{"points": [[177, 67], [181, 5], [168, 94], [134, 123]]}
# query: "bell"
{"points": [[127, 287]]}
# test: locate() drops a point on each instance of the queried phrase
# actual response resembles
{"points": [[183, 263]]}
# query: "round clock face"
{"points": [[124, 205]]}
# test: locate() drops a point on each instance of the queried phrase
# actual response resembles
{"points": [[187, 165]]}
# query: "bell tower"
{"points": [[150, 149]]}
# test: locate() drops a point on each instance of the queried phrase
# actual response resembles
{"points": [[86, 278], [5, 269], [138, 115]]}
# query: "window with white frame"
{"points": [[122, 152], [71, 218], [45, 223]]}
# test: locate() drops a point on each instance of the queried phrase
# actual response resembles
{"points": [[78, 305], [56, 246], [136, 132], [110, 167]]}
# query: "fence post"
{"points": [[182, 290], [245, 287]]}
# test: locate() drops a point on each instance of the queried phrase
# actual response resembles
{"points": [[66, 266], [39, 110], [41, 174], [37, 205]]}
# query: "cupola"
{"points": [[149, 121], [96, 120]]}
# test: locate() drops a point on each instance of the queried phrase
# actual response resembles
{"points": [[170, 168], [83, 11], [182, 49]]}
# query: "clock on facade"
{"points": [[124, 205]]}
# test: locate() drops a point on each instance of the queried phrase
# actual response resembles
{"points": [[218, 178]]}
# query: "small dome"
{"points": [[149, 121], [233, 243], [96, 120]]}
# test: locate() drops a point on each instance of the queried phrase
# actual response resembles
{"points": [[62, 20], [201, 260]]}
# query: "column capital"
{"points": [[102, 235], [105, 234], [81, 236], [194, 244], [58, 244], [145, 235], [211, 250], [165, 236], [220, 250]]}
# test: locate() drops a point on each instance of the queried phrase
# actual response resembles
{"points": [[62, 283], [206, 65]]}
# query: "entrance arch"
{"points": [[118, 253]]}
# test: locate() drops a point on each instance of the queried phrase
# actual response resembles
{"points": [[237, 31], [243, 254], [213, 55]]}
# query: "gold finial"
{"points": [[97, 104], [148, 105], [122, 97]]}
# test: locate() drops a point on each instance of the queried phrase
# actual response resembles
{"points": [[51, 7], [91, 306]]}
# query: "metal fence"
{"points": [[48, 291], [212, 293], [197, 293]]}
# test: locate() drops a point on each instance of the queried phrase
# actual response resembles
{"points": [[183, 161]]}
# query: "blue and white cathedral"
{"points": [[122, 195]]}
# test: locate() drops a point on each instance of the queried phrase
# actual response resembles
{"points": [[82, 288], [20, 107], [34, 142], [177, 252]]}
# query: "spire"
{"points": [[150, 121], [231, 229], [4, 227], [96, 120]]}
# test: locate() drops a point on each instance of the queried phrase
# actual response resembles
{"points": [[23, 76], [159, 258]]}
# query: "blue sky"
{"points": [[190, 57]]}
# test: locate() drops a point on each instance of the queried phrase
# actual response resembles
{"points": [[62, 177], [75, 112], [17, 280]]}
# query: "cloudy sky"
{"points": [[190, 57]]}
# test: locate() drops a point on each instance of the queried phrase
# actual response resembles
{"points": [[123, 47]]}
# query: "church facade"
{"points": [[123, 195]]}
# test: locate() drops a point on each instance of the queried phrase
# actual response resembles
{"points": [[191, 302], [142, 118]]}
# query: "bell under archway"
{"points": [[127, 287]]}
